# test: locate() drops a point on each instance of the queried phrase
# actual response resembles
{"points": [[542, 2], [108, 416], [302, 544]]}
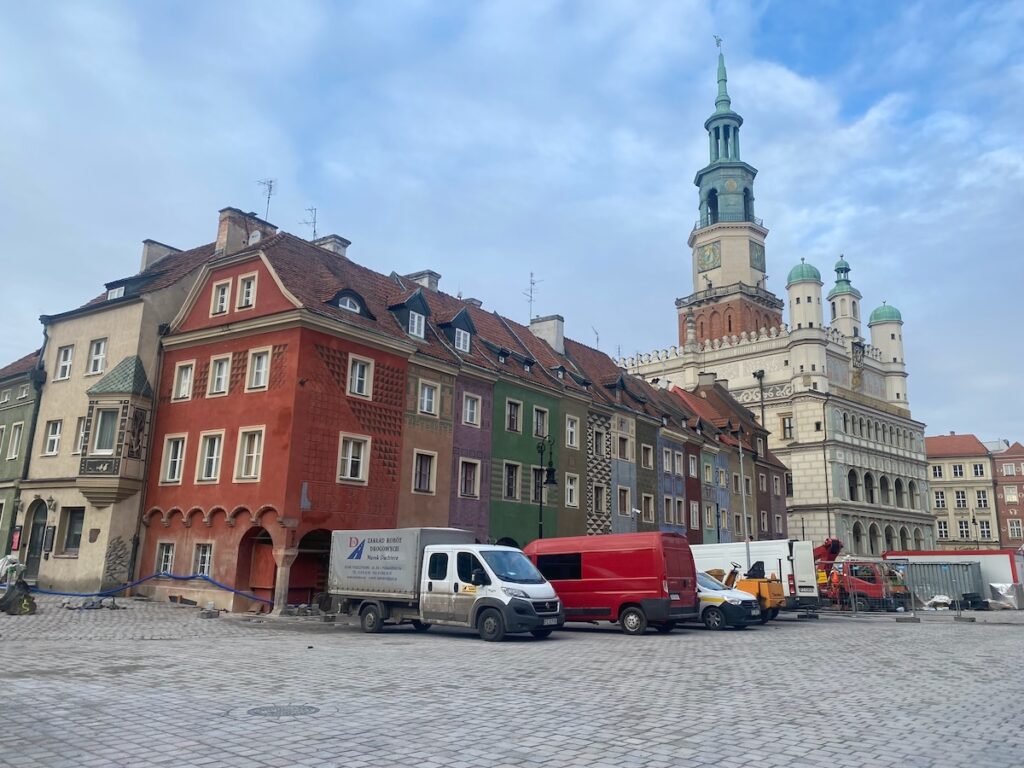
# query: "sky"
{"points": [[491, 140]]}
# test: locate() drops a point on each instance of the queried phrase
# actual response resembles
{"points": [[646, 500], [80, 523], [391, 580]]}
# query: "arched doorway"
{"points": [[35, 524], [875, 539], [255, 568], [918, 539], [904, 538], [890, 538], [308, 575], [858, 537]]}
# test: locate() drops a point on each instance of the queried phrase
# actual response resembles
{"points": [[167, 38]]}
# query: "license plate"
{"points": [[673, 596], [755, 612], [550, 622]]}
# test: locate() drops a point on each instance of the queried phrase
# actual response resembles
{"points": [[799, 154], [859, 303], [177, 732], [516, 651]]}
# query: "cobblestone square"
{"points": [[154, 685]]}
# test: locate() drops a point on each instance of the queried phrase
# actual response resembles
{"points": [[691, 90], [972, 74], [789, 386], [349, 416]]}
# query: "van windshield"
{"points": [[707, 582], [512, 566]]}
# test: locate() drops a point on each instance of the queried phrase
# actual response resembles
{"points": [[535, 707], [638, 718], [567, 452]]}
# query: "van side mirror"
{"points": [[478, 578]]}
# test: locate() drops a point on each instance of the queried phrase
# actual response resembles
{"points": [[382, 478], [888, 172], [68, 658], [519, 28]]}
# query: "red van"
{"points": [[634, 579]]}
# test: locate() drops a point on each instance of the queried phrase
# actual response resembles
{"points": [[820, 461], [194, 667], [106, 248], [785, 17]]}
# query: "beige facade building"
{"points": [[963, 492]]}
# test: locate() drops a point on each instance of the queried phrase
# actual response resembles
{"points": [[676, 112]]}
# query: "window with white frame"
{"points": [[668, 511], [349, 304], [964, 527], [985, 528], [428, 398], [3, 433], [572, 432], [416, 324], [666, 460], [5, 396], [165, 557], [678, 466], [961, 499], [210, 446], [937, 471], [748, 486], [646, 456], [982, 499], [708, 475], [624, 507], [940, 499], [14, 446], [259, 370], [695, 515], [693, 466], [353, 458], [709, 516], [537, 488], [423, 463], [1014, 529], [115, 293], [220, 374], [74, 522], [1008, 469], [778, 523], [979, 470], [469, 478], [680, 512], [512, 410], [735, 483], [183, 380], [461, 340], [360, 376], [250, 454], [471, 410], [760, 446], [943, 529], [174, 458], [624, 451], [97, 356], [600, 498], [572, 494], [202, 560], [762, 482], [647, 507], [958, 470], [540, 422], [65, 355], [787, 427], [599, 445], [219, 297], [106, 420], [722, 482], [511, 486], [776, 485], [246, 291], [764, 520], [1010, 494], [52, 437], [23, 393]]}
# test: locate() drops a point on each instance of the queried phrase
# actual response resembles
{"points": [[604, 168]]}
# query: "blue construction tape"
{"points": [[111, 592]]}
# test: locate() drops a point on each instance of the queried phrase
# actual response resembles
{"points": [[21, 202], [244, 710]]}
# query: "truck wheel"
{"points": [[775, 614], [713, 618], [370, 619], [540, 634], [863, 606], [665, 628], [766, 615], [420, 626], [633, 621], [491, 626]]}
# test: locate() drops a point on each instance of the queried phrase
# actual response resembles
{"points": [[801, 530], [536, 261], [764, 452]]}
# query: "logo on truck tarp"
{"points": [[357, 553]]}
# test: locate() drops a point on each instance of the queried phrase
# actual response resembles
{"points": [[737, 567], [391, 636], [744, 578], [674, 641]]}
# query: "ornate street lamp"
{"points": [[545, 446]]}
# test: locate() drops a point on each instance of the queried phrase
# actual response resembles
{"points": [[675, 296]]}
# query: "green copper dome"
{"points": [[843, 284], [803, 273], [842, 265], [885, 314]]}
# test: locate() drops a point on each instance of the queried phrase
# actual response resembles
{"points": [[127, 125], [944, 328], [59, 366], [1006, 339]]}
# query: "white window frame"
{"points": [[646, 456], [572, 490], [165, 459], [537, 411], [762, 483], [349, 304], [978, 469], [240, 293], [179, 374], [65, 362], [462, 340], [199, 567], [1009, 470], [518, 489], [5, 396], [981, 499], [250, 385], [942, 528], [960, 496], [1015, 529], [216, 295], [958, 470], [678, 464], [519, 415], [97, 418], [3, 434], [600, 449], [709, 516], [963, 529], [666, 460], [709, 474], [1010, 494], [572, 432], [416, 453], [692, 460], [936, 471], [647, 507], [984, 529], [764, 520], [629, 501], [695, 515], [778, 523], [776, 485], [475, 494], [204, 437], [940, 499], [477, 405], [115, 293], [353, 361], [241, 456], [417, 324], [667, 510], [345, 461], [680, 506], [210, 391], [97, 360], [51, 446], [426, 385], [14, 446], [23, 393], [164, 561]]}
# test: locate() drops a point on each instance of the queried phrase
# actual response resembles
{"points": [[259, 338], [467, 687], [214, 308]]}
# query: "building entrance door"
{"points": [[35, 545]]}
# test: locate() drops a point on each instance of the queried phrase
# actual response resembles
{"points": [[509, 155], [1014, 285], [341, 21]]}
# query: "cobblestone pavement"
{"points": [[154, 685]]}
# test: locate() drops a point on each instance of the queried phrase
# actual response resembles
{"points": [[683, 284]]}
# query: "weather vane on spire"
{"points": [[718, 41]]}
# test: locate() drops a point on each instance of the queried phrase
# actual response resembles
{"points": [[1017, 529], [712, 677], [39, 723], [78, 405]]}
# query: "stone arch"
{"points": [[147, 519], [728, 322], [232, 516], [904, 538], [858, 537], [715, 325], [258, 516], [208, 517], [913, 497], [34, 528], [869, 488], [846, 422], [885, 491], [853, 485], [890, 538], [188, 516], [308, 574], [901, 499], [861, 430], [874, 539], [255, 567], [918, 539]]}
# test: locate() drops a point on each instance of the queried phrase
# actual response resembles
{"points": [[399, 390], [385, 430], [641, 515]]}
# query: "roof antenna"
{"points": [[268, 186], [531, 294], [311, 221], [597, 338]]}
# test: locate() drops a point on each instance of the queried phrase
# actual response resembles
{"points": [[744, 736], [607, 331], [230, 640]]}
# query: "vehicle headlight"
{"points": [[734, 601], [513, 592]]}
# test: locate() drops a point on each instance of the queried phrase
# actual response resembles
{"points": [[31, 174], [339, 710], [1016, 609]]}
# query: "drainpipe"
{"points": [[37, 385]]}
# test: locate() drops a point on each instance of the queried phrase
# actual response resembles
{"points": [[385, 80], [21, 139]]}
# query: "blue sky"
{"points": [[489, 140]]}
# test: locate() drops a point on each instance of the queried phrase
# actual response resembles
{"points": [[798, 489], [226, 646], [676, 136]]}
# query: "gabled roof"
{"points": [[126, 378], [952, 446], [20, 366]]}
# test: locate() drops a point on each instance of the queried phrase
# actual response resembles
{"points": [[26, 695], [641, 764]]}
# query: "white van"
{"points": [[790, 560], [721, 607]]}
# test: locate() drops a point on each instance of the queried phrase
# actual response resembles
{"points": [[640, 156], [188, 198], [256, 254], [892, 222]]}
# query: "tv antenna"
{"points": [[311, 221], [531, 293], [268, 191], [597, 338]]}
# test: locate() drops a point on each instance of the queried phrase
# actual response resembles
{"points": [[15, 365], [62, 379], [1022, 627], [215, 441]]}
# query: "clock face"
{"points": [[730, 185], [757, 256], [709, 256]]}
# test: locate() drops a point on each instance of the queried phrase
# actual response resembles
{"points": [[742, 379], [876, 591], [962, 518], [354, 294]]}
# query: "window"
{"points": [[735, 483], [74, 521], [1013, 529], [760, 445], [540, 422], [250, 454], [220, 372], [23, 393], [537, 487], [986, 529], [174, 458], [202, 559], [737, 523], [599, 445], [764, 520], [961, 499], [694, 515], [416, 323], [937, 471], [647, 456], [423, 472], [647, 507], [600, 500], [979, 470], [183, 381], [624, 451], [964, 527], [940, 499], [1009, 492], [259, 366], [668, 509], [219, 297], [624, 506], [666, 460], [943, 528], [982, 499], [52, 437], [469, 479], [680, 512], [461, 340], [97, 356], [511, 481], [353, 453], [165, 557], [428, 398], [709, 516], [115, 293], [778, 523], [561, 567], [512, 409], [466, 565], [708, 475], [762, 482], [776, 485], [693, 466], [438, 568], [5, 396], [572, 498], [79, 445], [471, 410], [106, 431], [348, 303], [678, 463], [789, 484], [246, 291], [14, 446], [572, 432], [360, 376], [958, 470], [64, 358], [787, 427], [721, 479], [210, 445]]}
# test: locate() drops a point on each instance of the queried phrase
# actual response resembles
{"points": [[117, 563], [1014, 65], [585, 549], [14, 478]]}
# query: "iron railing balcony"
{"points": [[707, 221]]}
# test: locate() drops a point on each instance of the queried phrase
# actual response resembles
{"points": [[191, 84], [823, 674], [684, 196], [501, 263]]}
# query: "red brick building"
{"points": [[1009, 477]]}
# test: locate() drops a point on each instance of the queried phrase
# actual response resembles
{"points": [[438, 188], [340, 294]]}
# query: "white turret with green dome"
{"points": [[804, 288], [886, 324], [844, 302]]}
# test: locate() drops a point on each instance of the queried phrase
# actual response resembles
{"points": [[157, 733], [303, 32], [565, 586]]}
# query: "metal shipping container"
{"points": [[951, 579]]}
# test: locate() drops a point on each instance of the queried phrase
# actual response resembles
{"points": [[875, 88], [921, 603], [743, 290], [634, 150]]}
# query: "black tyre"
{"points": [[766, 616], [863, 606], [666, 627], [775, 614], [370, 619], [420, 626], [713, 618], [633, 621], [491, 625], [540, 634]]}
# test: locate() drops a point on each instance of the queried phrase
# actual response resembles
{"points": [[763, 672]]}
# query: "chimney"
{"points": [[474, 302], [706, 379], [152, 252], [238, 230], [550, 329], [428, 278], [334, 243], [951, 433], [724, 383]]}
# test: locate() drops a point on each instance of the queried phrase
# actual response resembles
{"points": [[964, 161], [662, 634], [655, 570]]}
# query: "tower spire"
{"points": [[723, 103]]}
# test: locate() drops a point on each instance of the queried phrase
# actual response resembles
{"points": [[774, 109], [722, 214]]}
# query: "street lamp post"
{"points": [[545, 446], [738, 432], [759, 375], [977, 538]]}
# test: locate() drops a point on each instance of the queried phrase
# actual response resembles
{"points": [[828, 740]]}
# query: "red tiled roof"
{"points": [[23, 365], [950, 446]]}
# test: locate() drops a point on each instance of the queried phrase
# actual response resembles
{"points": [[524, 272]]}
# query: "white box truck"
{"points": [[792, 561], [427, 576]]}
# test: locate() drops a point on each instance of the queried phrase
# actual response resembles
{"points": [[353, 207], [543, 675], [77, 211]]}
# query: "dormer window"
{"points": [[348, 303], [115, 293], [501, 358], [416, 324], [462, 340]]}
